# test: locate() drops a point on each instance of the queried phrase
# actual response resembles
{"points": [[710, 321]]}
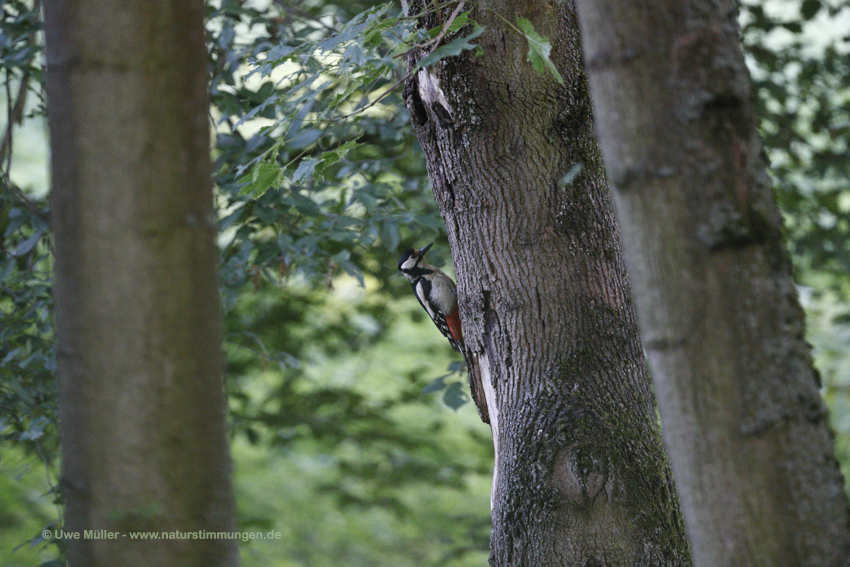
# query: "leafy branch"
{"points": [[539, 47]]}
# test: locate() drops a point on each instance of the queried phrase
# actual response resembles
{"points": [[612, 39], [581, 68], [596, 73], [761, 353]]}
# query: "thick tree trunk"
{"points": [[580, 476], [137, 309], [745, 426]]}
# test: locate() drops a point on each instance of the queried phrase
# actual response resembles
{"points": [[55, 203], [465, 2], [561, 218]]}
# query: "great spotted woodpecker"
{"points": [[435, 291]]}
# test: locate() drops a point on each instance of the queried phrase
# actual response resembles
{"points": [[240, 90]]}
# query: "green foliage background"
{"points": [[348, 424]]}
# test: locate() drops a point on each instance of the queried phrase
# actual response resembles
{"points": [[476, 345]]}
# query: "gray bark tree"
{"points": [[580, 476], [139, 363], [745, 426]]}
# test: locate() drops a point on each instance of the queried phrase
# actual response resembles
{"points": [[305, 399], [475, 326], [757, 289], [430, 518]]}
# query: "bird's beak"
{"points": [[422, 252]]}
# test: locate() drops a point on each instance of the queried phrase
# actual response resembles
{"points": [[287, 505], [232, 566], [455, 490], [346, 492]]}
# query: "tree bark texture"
{"points": [[580, 477], [137, 308], [745, 426]]}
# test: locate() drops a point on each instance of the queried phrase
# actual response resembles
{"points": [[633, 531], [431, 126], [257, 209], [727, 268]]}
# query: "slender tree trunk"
{"points": [[580, 476], [139, 365], [743, 420]]}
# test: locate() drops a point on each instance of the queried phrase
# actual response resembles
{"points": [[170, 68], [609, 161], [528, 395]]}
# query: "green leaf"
{"points": [[436, 385], [348, 33], [279, 52], [7, 269], [810, 8], [263, 176], [539, 48], [451, 49], [35, 429], [455, 397], [25, 246], [305, 169], [389, 235], [330, 157], [457, 24]]}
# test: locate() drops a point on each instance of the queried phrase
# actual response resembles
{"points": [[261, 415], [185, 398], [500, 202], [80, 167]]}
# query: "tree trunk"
{"points": [[743, 420], [580, 476], [137, 309]]}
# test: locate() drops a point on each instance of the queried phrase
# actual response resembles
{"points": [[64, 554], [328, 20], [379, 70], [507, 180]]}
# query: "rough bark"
{"points": [[743, 421], [580, 476], [137, 309]]}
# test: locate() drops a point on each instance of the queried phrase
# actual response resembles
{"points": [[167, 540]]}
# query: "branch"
{"points": [[16, 110], [22, 198], [436, 42]]}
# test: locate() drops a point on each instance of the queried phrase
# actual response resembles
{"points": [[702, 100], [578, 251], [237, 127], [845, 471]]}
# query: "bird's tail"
{"points": [[476, 388]]}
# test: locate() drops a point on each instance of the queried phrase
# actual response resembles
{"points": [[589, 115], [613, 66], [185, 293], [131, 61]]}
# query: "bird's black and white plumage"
{"points": [[436, 293]]}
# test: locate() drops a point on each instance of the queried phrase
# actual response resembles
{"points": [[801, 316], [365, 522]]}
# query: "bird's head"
{"points": [[412, 257]]}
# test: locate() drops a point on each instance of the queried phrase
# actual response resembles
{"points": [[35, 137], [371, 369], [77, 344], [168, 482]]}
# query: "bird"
{"points": [[436, 292]]}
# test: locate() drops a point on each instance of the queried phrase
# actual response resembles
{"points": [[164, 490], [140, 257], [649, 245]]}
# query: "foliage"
{"points": [[28, 436], [360, 439], [803, 88], [539, 48], [27, 404], [316, 167]]}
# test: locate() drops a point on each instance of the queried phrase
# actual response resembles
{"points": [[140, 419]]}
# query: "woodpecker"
{"points": [[436, 293]]}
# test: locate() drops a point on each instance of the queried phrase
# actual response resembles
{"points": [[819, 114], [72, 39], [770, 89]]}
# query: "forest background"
{"points": [[348, 425]]}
